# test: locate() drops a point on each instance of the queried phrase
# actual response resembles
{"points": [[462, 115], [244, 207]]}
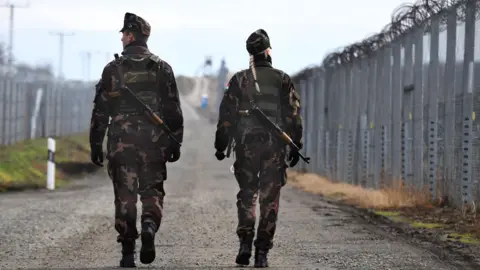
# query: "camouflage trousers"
{"points": [[133, 179], [260, 172]]}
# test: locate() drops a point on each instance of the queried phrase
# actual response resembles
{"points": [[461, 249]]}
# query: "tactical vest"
{"points": [[140, 74], [268, 100]]}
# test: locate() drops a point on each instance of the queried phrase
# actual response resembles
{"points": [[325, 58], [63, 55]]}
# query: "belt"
{"points": [[129, 114]]}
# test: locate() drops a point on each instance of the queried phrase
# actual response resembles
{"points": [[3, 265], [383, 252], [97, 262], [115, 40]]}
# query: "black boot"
{"points": [[261, 260], [147, 252], [244, 253], [128, 254]]}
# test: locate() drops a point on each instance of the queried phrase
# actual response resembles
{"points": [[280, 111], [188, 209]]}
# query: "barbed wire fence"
{"points": [[402, 104], [33, 104]]}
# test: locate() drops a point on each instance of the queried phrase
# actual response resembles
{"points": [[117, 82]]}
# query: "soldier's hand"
{"points": [[174, 155], [293, 157], [96, 155], [219, 155]]}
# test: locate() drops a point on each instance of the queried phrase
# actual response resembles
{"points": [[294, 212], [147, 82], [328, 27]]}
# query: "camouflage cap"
{"points": [[258, 42], [134, 23]]}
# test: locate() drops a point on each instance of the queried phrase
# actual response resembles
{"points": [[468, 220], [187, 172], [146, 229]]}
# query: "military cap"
{"points": [[134, 23], [258, 42]]}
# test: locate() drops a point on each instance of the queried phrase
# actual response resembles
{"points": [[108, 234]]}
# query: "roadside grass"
{"points": [[387, 198], [23, 165], [398, 203]]}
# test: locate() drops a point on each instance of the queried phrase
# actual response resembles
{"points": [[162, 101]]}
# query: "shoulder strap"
{"points": [[279, 100], [248, 73], [240, 80], [120, 70], [155, 59], [243, 85], [159, 63]]}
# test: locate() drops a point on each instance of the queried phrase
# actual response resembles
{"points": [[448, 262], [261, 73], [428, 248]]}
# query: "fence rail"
{"points": [[40, 108], [401, 105]]}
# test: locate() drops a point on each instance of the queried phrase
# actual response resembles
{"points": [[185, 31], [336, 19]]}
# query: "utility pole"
{"points": [[87, 62], [61, 36], [83, 65], [12, 7], [108, 57], [87, 55]]}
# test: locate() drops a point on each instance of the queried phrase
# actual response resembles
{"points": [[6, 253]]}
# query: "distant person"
{"points": [[222, 77], [137, 150], [260, 167]]}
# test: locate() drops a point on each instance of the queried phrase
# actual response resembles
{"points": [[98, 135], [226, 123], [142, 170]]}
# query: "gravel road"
{"points": [[73, 228]]}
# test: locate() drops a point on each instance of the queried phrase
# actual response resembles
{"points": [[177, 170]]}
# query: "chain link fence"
{"points": [[38, 106], [401, 105]]}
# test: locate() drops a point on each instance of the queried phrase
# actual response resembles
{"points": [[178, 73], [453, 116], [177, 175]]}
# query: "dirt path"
{"points": [[74, 228]]}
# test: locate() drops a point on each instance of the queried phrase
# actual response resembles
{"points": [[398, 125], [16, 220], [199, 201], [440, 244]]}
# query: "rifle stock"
{"points": [[275, 128], [231, 139], [229, 146]]}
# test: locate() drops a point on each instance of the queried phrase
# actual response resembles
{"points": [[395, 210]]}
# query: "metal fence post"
{"points": [[450, 80], [433, 107], [468, 116]]}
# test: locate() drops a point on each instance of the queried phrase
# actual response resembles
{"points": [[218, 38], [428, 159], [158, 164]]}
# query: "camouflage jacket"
{"points": [[171, 110], [228, 113]]}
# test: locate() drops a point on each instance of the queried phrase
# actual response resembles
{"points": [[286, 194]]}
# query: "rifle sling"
{"points": [[252, 102], [120, 70]]}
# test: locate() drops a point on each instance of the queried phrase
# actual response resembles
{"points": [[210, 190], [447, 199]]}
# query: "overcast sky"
{"points": [[184, 31]]}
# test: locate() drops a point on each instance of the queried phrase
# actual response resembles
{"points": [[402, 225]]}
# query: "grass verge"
{"points": [[23, 165], [399, 204]]}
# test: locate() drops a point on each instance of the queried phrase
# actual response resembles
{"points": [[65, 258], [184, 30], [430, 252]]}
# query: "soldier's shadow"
{"points": [[170, 267]]}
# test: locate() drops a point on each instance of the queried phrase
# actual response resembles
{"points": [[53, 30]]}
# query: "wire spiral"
{"points": [[405, 19]]}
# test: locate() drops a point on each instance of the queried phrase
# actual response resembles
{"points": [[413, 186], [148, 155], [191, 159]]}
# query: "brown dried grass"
{"points": [[413, 204], [393, 197]]}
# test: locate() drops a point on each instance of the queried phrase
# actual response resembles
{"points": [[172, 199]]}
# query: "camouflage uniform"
{"points": [[137, 150], [260, 167]]}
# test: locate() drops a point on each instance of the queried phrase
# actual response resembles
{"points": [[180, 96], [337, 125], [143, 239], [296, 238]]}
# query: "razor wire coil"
{"points": [[405, 19]]}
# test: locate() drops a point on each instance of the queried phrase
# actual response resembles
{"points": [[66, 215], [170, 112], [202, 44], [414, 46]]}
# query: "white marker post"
{"points": [[51, 164]]}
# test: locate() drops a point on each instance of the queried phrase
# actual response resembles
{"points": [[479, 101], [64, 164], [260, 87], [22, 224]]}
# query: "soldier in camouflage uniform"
{"points": [[137, 150], [260, 165]]}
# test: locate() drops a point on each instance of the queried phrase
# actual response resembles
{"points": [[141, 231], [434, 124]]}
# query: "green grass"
{"points": [[395, 216], [423, 225], [465, 238], [387, 213], [23, 165]]}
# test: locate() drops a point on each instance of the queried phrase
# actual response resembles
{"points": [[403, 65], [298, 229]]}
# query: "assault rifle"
{"points": [[230, 141], [148, 111], [260, 115]]}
